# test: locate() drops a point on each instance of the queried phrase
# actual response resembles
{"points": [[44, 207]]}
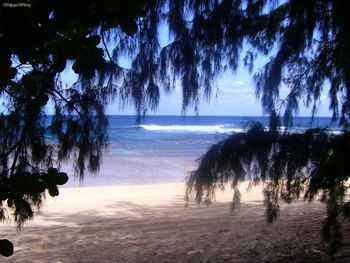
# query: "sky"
{"points": [[233, 94]]}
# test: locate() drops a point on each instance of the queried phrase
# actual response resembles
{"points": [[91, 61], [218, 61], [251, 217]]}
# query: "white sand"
{"points": [[149, 223]]}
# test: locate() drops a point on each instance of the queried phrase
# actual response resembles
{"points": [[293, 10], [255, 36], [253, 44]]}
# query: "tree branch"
{"points": [[64, 99]]}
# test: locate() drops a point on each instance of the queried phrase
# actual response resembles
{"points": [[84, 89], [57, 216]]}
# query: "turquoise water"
{"points": [[164, 149]]}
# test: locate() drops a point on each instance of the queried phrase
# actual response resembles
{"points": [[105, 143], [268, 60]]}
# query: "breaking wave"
{"points": [[222, 128]]}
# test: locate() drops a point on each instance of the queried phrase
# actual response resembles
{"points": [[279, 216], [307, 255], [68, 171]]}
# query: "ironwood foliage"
{"points": [[307, 42], [309, 46], [39, 39]]}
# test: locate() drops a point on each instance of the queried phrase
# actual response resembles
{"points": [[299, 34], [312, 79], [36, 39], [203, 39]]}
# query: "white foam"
{"points": [[220, 128], [192, 128]]}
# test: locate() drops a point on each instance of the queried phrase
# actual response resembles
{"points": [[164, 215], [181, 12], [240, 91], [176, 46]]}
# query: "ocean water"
{"points": [[164, 149]]}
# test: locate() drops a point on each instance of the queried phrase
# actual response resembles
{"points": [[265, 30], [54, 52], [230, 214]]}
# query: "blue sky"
{"points": [[233, 95]]}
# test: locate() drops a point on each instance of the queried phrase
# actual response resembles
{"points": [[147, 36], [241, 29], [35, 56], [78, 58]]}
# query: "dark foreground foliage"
{"points": [[306, 44], [39, 39], [6, 247], [308, 165]]}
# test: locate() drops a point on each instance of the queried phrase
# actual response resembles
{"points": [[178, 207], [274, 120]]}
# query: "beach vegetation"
{"points": [[306, 44]]}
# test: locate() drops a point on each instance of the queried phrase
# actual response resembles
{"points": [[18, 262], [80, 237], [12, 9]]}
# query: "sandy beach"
{"points": [[150, 223]]}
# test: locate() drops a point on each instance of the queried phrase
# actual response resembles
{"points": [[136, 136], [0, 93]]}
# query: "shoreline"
{"points": [[152, 194]]}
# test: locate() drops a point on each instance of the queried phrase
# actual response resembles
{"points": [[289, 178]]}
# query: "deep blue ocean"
{"points": [[164, 149]]}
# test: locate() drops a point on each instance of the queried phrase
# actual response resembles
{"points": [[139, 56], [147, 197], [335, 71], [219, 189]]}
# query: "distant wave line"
{"points": [[220, 128], [192, 128]]}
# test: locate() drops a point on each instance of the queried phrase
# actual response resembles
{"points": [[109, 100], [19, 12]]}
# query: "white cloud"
{"points": [[236, 91]]}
